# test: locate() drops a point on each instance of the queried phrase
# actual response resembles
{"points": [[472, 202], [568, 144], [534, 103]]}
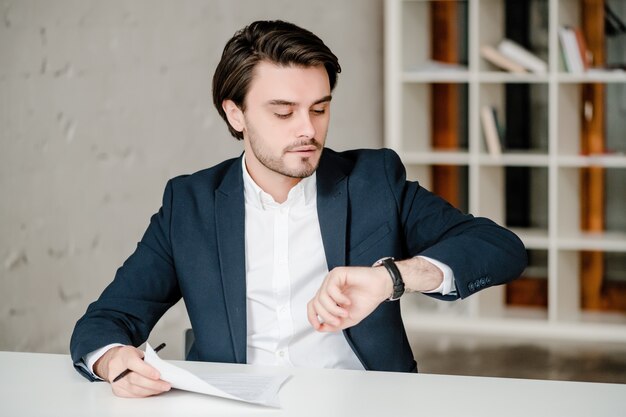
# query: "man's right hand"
{"points": [[143, 381]]}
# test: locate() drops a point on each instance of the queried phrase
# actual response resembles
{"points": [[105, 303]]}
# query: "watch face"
{"points": [[381, 260]]}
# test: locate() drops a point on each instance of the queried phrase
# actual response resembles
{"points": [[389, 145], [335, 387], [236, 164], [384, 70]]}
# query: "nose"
{"points": [[306, 129]]}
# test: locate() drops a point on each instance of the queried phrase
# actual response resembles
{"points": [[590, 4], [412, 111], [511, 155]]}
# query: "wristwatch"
{"points": [[396, 277]]}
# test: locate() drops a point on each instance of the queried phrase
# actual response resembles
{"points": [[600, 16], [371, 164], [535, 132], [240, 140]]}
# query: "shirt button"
{"points": [[281, 353]]}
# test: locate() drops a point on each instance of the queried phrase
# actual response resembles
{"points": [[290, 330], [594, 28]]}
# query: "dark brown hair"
{"points": [[274, 41]]}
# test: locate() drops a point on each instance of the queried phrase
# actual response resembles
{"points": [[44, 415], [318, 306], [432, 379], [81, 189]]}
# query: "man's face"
{"points": [[287, 111]]}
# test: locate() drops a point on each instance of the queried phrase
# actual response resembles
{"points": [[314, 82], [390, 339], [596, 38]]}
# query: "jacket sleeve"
{"points": [[479, 252], [144, 288]]}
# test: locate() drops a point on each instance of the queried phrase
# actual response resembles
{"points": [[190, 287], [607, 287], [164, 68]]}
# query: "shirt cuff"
{"points": [[92, 357], [447, 285]]}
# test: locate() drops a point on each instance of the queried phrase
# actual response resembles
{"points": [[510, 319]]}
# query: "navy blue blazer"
{"points": [[194, 249]]}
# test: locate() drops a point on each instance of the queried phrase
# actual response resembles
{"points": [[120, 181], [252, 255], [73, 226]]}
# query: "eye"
{"points": [[283, 115], [318, 112]]}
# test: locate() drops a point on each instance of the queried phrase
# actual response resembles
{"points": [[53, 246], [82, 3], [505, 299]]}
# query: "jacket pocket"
{"points": [[370, 241]]}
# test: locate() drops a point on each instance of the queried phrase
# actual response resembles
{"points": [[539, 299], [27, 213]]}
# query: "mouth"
{"points": [[303, 149]]}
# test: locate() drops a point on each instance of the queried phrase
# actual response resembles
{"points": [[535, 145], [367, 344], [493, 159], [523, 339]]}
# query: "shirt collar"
{"points": [[258, 198]]}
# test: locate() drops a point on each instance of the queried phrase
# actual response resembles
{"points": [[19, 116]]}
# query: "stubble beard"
{"points": [[304, 170]]}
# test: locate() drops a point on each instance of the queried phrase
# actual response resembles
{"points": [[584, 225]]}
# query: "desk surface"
{"points": [[35, 384]]}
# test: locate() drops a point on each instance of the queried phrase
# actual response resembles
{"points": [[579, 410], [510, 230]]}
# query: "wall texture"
{"points": [[100, 103]]}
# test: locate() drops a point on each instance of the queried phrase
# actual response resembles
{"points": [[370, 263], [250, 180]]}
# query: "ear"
{"points": [[234, 115]]}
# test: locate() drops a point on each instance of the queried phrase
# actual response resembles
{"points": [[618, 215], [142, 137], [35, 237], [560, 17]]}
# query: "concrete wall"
{"points": [[100, 103]]}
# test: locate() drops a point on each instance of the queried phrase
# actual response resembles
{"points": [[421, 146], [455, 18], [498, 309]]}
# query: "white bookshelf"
{"points": [[408, 77]]}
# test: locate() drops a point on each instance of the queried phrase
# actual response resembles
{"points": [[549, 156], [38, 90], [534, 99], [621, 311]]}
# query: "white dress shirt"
{"points": [[285, 266]]}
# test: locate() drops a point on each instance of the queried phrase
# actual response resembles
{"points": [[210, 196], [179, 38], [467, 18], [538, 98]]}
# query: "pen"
{"points": [[126, 372]]}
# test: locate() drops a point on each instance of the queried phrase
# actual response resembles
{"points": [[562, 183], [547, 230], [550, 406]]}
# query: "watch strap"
{"points": [[396, 277]]}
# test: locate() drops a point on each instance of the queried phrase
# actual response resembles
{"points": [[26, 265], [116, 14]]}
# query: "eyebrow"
{"points": [[280, 102]]}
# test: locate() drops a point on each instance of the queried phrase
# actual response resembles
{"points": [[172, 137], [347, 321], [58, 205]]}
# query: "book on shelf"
{"points": [[492, 55], [585, 55], [499, 128], [571, 50], [491, 130], [522, 56]]}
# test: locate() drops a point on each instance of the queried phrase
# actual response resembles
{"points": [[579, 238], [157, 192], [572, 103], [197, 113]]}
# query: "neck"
{"points": [[273, 183]]}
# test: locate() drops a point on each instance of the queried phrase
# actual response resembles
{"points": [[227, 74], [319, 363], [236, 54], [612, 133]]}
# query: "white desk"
{"points": [[34, 384]]}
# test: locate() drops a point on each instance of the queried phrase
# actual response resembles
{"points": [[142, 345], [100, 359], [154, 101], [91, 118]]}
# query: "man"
{"points": [[278, 250]]}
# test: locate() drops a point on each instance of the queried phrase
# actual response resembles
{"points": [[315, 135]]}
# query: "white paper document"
{"points": [[250, 388]]}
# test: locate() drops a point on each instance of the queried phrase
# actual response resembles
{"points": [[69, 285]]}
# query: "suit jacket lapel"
{"points": [[332, 209], [229, 220]]}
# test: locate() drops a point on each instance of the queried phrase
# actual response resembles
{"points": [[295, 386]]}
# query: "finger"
{"points": [[337, 295], [137, 365], [141, 381], [334, 286], [318, 322], [123, 358], [137, 385], [133, 391], [325, 316], [312, 316], [325, 327], [330, 305]]}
